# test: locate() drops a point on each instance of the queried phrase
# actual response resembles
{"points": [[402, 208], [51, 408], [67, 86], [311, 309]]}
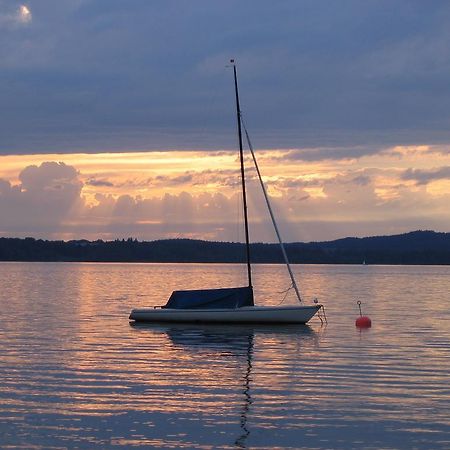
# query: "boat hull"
{"points": [[248, 314]]}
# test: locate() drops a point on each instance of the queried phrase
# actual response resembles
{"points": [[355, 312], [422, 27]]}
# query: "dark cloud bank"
{"points": [[109, 75]]}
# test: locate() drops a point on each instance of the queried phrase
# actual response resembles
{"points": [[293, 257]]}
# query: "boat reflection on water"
{"points": [[235, 340], [225, 337]]}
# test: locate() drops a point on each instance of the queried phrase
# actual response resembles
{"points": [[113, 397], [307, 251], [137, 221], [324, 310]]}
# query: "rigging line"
{"points": [[266, 196], [286, 292]]}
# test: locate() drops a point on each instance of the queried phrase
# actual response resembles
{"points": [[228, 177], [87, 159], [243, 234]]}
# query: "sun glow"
{"points": [[158, 194], [439, 188], [24, 14]]}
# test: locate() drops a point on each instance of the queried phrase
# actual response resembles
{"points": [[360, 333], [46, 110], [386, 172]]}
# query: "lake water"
{"points": [[75, 374]]}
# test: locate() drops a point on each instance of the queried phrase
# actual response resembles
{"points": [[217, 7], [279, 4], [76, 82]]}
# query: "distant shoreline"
{"points": [[218, 263], [414, 248]]}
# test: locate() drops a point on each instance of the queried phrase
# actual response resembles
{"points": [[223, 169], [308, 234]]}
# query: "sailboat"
{"points": [[236, 304]]}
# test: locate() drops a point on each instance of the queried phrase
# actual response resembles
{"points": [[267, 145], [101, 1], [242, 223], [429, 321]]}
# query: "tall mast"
{"points": [[244, 193]]}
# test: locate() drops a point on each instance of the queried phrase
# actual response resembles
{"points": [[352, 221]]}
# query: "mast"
{"points": [[244, 193]]}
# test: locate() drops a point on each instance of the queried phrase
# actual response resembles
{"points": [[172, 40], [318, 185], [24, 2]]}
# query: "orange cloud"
{"points": [[197, 194]]}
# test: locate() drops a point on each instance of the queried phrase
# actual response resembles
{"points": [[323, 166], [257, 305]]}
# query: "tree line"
{"points": [[417, 247]]}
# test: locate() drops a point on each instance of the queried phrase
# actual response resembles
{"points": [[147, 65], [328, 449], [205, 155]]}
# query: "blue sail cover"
{"points": [[211, 298]]}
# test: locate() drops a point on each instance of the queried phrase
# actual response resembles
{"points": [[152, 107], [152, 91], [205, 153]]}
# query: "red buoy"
{"points": [[362, 321]]}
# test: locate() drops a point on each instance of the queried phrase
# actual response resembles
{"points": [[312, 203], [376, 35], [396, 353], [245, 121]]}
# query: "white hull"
{"points": [[247, 314]]}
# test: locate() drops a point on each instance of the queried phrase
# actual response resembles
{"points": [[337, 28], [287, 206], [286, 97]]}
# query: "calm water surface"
{"points": [[75, 374]]}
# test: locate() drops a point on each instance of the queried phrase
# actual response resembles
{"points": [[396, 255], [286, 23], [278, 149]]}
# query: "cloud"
{"points": [[24, 14], [49, 201], [177, 180], [330, 153], [46, 196], [49, 176], [219, 177], [99, 182], [423, 177], [346, 75], [12, 16]]}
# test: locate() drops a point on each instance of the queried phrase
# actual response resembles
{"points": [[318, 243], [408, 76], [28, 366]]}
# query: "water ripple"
{"points": [[75, 374]]}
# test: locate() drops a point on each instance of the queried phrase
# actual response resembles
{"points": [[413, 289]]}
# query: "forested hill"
{"points": [[417, 247]]}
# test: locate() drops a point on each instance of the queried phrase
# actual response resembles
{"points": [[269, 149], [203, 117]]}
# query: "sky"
{"points": [[117, 118]]}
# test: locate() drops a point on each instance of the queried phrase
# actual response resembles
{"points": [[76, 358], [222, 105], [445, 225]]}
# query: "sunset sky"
{"points": [[117, 117]]}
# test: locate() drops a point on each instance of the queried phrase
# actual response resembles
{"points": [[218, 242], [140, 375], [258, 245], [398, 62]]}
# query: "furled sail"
{"points": [[211, 298]]}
